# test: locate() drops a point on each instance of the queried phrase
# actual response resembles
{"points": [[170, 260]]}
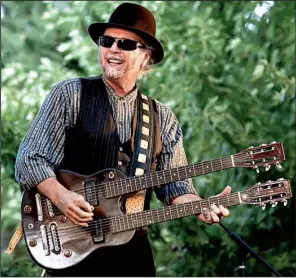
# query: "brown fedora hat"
{"points": [[135, 18]]}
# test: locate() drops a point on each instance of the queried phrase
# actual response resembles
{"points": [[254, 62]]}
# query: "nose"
{"points": [[114, 47]]}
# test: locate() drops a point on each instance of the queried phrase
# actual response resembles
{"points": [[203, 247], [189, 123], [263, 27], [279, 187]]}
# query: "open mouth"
{"points": [[114, 62]]}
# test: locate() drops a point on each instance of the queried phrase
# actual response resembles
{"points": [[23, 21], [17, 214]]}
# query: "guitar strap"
{"points": [[143, 143], [14, 240]]}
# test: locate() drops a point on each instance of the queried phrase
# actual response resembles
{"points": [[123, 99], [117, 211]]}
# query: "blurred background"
{"points": [[228, 75]]}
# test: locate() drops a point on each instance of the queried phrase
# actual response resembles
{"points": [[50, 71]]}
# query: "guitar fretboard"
{"points": [[145, 218], [137, 183]]}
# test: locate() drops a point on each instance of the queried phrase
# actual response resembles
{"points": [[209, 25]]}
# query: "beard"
{"points": [[110, 72]]}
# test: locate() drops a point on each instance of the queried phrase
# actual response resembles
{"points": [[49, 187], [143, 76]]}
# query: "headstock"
{"points": [[264, 155], [269, 192]]}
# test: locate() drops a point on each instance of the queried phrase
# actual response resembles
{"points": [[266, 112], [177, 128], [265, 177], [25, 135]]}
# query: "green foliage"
{"points": [[228, 75]]}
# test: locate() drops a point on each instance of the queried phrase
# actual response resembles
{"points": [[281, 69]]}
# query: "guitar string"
{"points": [[105, 222], [154, 177], [105, 227]]}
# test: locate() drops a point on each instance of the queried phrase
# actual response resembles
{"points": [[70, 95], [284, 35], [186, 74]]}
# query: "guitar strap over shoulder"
{"points": [[143, 144]]}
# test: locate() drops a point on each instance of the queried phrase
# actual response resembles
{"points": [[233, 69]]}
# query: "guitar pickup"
{"points": [[39, 207], [44, 239], [97, 232], [91, 192], [55, 238]]}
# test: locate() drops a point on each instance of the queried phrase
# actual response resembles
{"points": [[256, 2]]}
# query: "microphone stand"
{"points": [[243, 250]]}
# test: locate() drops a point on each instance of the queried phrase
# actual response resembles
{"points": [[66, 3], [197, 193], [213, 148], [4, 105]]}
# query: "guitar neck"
{"points": [[149, 217], [137, 183]]}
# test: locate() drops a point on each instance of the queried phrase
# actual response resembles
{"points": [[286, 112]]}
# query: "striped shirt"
{"points": [[41, 150]]}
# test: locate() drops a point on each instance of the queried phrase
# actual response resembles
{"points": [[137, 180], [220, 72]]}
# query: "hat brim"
{"points": [[97, 29]]}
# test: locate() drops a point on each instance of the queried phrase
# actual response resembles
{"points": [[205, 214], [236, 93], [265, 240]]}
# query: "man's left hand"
{"points": [[209, 215], [214, 214]]}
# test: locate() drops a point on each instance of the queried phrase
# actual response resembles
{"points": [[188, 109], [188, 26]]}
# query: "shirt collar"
{"points": [[128, 98]]}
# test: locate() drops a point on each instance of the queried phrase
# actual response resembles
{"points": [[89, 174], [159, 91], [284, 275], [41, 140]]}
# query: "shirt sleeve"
{"points": [[41, 150], [172, 155]]}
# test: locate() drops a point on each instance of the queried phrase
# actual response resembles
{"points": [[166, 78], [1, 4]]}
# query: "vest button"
{"points": [[120, 149], [119, 162]]}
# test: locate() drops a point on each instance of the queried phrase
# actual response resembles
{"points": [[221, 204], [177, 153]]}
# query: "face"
{"points": [[117, 63]]}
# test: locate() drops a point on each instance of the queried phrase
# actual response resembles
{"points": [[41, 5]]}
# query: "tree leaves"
{"points": [[228, 75]]}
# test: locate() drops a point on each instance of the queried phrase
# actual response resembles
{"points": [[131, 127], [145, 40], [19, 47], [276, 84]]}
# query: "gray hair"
{"points": [[150, 63]]}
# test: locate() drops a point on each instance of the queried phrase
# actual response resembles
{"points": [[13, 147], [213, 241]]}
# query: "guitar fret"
{"points": [[145, 181], [194, 170], [178, 174], [157, 215], [146, 214], [193, 211], [174, 175], [161, 178], [151, 177], [118, 226], [157, 178], [135, 220], [137, 183], [202, 166], [114, 188], [149, 220], [118, 187], [170, 213], [221, 163], [124, 220], [142, 221]]}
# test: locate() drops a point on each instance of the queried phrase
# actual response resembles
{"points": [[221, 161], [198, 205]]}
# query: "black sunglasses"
{"points": [[124, 44]]}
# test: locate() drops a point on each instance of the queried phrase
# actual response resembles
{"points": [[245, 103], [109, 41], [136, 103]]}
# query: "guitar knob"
{"points": [[256, 169], [263, 206], [285, 202], [273, 204], [267, 167], [278, 165]]}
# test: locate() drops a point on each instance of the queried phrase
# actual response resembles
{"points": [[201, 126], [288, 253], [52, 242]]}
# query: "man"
{"points": [[85, 122]]}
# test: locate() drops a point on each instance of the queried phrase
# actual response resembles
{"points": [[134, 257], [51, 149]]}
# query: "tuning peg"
{"points": [[262, 145], [278, 165], [273, 142], [250, 147], [280, 179], [257, 169], [273, 204], [285, 202], [263, 206], [267, 167]]}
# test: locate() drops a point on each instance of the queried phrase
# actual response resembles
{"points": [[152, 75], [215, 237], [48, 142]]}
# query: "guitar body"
{"points": [[53, 241]]}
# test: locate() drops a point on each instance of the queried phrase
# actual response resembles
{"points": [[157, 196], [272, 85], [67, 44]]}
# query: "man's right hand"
{"points": [[71, 204]]}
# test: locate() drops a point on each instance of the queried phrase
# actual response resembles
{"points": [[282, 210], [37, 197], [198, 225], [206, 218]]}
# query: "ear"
{"points": [[146, 58]]}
